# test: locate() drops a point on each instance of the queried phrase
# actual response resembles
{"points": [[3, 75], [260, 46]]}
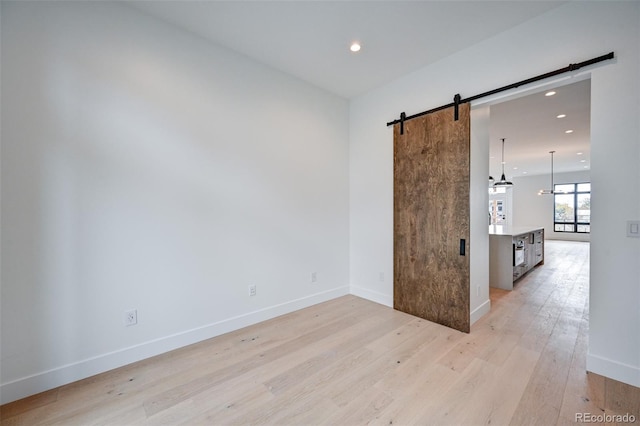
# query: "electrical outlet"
{"points": [[131, 317], [314, 277], [252, 290]]}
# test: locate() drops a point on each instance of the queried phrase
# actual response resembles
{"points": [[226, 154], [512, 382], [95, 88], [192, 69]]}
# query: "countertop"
{"points": [[510, 231]]}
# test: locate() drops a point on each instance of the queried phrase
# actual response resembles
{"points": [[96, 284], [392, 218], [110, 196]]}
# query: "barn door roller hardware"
{"points": [[456, 104], [457, 100]]}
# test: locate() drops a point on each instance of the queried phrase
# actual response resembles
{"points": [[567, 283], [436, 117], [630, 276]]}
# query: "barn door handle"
{"points": [[463, 246]]}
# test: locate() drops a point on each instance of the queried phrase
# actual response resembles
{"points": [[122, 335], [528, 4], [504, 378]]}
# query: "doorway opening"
{"points": [[555, 117]]}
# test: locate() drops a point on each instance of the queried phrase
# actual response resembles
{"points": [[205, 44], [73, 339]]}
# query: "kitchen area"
{"points": [[539, 180], [513, 251]]}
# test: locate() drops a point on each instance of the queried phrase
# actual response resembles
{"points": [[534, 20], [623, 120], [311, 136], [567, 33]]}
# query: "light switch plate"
{"points": [[633, 228]]}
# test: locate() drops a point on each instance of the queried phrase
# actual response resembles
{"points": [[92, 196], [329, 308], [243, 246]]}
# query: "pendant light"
{"points": [[549, 191], [503, 180]]}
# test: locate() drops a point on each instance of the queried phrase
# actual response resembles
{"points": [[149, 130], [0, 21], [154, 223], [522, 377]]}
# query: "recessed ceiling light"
{"points": [[524, 173], [578, 153], [561, 115], [550, 93], [568, 131], [355, 47], [583, 161], [586, 167], [515, 168]]}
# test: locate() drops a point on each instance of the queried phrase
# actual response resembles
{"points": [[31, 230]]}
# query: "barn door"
{"points": [[431, 218]]}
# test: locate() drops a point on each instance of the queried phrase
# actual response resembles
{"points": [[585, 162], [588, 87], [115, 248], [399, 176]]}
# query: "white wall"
{"points": [[614, 326], [531, 209], [145, 168], [479, 217], [571, 33]]}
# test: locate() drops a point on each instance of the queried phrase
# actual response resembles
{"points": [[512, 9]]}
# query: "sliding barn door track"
{"points": [[457, 99]]}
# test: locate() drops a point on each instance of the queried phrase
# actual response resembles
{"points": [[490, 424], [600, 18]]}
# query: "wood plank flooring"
{"points": [[350, 361]]}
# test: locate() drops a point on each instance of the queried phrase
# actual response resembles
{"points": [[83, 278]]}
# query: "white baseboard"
{"points": [[374, 296], [480, 311], [624, 373], [65, 374]]}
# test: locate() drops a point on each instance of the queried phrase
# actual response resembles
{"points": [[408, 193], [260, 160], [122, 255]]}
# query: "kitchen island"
{"points": [[513, 251]]}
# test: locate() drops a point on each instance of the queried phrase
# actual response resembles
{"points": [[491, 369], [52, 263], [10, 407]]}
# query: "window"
{"points": [[572, 207]]}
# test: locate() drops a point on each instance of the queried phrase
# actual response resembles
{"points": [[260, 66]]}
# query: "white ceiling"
{"points": [[310, 40], [531, 129]]}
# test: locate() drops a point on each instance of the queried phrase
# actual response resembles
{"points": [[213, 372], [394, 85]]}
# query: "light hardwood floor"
{"points": [[351, 361]]}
